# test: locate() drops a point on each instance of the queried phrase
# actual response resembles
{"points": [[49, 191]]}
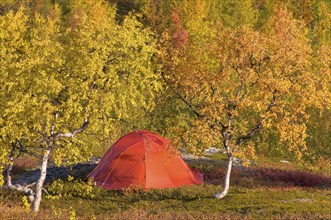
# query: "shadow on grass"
{"points": [[252, 177], [213, 171]]}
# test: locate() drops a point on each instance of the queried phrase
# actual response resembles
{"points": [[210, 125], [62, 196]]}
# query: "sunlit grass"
{"points": [[184, 203]]}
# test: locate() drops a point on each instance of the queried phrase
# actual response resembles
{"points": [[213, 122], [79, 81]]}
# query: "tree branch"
{"points": [[123, 120], [74, 132], [241, 83], [251, 132], [258, 126], [189, 105], [23, 149]]}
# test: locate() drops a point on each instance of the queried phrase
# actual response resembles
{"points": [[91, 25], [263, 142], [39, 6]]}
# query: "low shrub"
{"points": [[263, 177], [25, 163], [294, 178], [71, 188]]}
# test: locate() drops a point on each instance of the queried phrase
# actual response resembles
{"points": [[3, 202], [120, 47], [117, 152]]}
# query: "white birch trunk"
{"points": [[9, 172], [40, 182], [222, 194], [43, 170], [17, 187]]}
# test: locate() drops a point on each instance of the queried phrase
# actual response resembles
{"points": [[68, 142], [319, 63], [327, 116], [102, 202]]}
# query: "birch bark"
{"points": [[225, 190], [40, 182]]}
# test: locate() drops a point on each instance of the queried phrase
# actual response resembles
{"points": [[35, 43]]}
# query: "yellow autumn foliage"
{"points": [[59, 71]]}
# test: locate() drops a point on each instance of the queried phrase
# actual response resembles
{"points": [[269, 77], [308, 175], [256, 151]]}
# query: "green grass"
{"points": [[255, 193], [194, 201], [198, 200]]}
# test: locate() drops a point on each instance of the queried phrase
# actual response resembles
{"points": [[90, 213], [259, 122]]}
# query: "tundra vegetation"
{"points": [[252, 77]]}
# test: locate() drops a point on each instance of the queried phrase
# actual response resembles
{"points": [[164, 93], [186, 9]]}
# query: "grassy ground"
{"points": [[256, 193]]}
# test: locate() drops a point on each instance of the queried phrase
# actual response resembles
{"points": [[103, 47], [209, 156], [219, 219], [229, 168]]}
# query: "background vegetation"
{"points": [[252, 77]]}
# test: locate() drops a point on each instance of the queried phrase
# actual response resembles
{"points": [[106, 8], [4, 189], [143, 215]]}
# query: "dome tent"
{"points": [[142, 159]]}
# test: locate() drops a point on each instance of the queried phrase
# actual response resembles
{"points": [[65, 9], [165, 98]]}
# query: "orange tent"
{"points": [[142, 159]]}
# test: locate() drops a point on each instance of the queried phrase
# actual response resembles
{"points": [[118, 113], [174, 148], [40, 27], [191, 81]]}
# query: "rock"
{"points": [[237, 161], [79, 170], [186, 156], [212, 150]]}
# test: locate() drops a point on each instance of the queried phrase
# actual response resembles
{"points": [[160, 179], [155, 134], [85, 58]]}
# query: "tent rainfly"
{"points": [[142, 159]]}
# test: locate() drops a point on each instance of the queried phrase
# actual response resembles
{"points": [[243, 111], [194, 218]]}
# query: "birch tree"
{"points": [[65, 79], [240, 81]]}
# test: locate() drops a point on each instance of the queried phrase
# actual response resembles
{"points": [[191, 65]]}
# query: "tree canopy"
{"points": [[64, 74]]}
